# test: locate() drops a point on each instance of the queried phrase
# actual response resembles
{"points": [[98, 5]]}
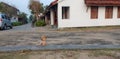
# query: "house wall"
{"points": [[14, 19], [80, 15]]}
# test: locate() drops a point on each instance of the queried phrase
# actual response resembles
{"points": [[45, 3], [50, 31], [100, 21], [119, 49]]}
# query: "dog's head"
{"points": [[43, 37]]}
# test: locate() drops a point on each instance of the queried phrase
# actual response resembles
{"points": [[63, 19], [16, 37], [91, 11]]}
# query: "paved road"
{"points": [[26, 35], [27, 27], [23, 27]]}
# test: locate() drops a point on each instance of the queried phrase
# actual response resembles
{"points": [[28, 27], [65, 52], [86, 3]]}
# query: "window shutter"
{"points": [[109, 12], [94, 12]]}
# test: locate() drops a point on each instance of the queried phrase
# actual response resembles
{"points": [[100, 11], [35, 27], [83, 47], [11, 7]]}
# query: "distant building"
{"points": [[11, 11], [83, 13], [14, 19]]}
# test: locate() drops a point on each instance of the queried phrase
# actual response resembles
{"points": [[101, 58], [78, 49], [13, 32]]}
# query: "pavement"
{"points": [[58, 47], [27, 38]]}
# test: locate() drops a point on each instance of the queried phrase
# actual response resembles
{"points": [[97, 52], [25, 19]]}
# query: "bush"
{"points": [[40, 23], [16, 23]]}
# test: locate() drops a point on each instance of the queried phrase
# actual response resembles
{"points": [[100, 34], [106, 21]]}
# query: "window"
{"points": [[3, 16], [109, 12], [118, 12], [65, 13], [94, 12]]}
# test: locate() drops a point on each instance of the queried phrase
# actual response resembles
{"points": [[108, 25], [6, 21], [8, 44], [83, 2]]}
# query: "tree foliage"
{"points": [[23, 17], [1, 7], [35, 6], [9, 10], [30, 17]]}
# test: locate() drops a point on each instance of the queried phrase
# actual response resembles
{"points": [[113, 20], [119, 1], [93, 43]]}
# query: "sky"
{"points": [[22, 5]]}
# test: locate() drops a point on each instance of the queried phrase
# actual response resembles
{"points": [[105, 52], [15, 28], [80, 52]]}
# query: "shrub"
{"points": [[40, 23], [16, 23]]}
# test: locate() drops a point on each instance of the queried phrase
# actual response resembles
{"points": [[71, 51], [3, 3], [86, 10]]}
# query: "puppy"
{"points": [[43, 40]]}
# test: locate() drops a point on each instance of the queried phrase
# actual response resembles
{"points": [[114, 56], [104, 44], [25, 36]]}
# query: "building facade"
{"points": [[84, 13]]}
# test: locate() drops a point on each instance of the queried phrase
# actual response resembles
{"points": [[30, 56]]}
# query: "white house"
{"points": [[83, 13]]}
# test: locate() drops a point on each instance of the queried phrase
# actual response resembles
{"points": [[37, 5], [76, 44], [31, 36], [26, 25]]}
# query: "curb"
{"points": [[58, 47]]}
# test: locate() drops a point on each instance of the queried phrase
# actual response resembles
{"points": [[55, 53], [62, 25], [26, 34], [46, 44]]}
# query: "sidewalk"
{"points": [[58, 47]]}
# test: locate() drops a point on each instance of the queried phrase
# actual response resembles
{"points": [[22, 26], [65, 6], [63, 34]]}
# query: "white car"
{"points": [[5, 22]]}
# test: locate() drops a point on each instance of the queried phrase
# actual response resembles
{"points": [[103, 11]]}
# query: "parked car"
{"points": [[5, 22]]}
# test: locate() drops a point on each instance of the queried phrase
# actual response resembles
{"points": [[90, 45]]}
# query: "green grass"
{"points": [[17, 23], [40, 23]]}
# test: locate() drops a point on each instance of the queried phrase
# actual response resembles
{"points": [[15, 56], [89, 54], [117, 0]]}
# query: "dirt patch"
{"points": [[99, 42], [62, 54]]}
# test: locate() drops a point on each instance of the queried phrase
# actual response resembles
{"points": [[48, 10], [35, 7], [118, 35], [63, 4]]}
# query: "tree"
{"points": [[23, 17], [8, 9], [30, 18], [36, 8], [45, 7], [1, 8]]}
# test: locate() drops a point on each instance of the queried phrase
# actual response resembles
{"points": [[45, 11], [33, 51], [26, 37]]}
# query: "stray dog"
{"points": [[43, 40]]}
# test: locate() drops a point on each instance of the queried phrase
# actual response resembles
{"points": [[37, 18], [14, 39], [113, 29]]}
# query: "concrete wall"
{"points": [[80, 15]]}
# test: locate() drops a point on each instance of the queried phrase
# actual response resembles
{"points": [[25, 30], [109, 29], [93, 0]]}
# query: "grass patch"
{"points": [[40, 23], [98, 53], [17, 23], [74, 54], [115, 53]]}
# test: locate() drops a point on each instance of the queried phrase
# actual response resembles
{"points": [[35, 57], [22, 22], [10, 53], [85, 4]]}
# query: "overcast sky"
{"points": [[22, 5]]}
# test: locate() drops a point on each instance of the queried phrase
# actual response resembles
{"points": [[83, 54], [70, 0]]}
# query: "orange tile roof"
{"points": [[102, 2]]}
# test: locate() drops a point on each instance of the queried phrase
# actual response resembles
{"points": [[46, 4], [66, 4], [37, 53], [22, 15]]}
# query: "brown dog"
{"points": [[43, 40]]}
